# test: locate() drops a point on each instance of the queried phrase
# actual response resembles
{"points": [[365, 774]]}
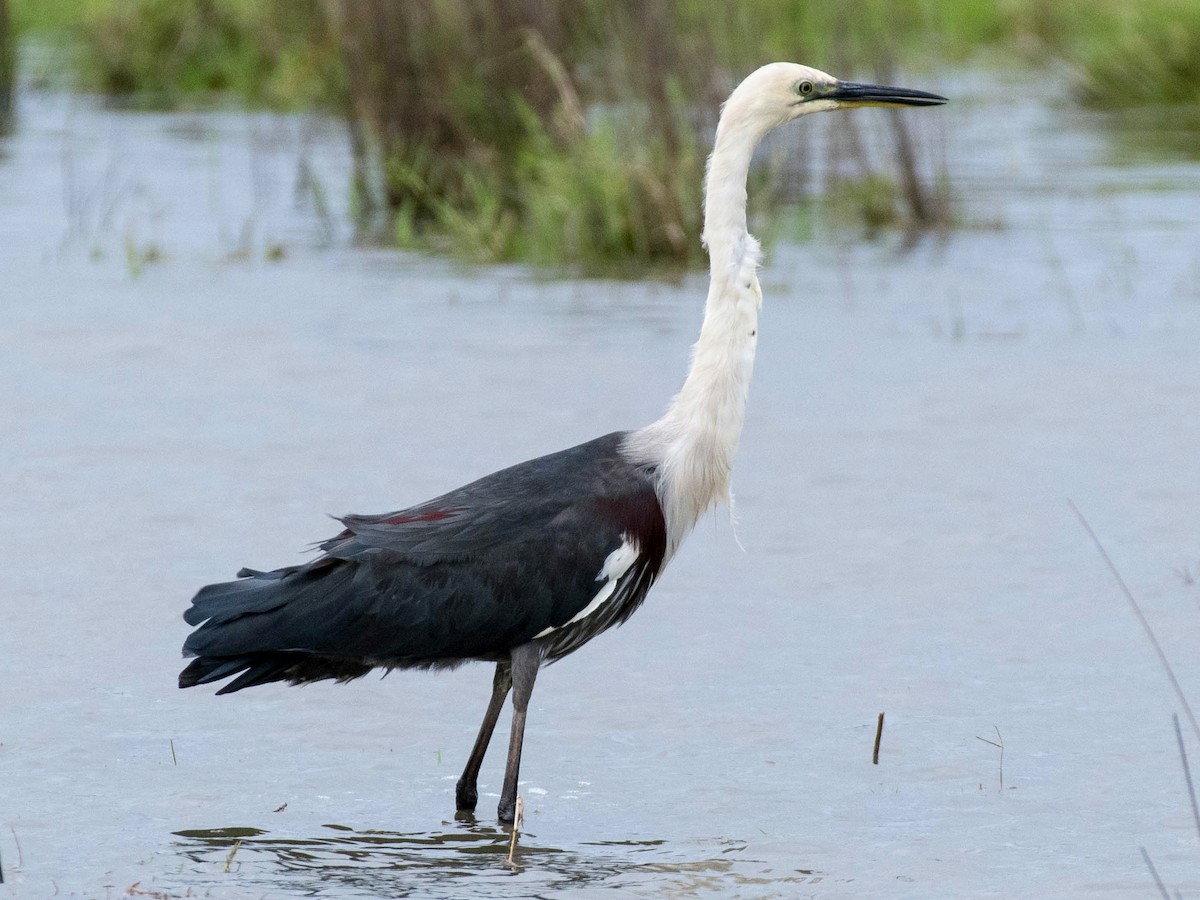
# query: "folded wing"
{"points": [[468, 575]]}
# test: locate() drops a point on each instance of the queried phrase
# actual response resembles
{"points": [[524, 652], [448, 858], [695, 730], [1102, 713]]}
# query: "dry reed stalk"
{"points": [[1162, 888], [1141, 617], [1187, 772], [232, 853], [518, 821]]}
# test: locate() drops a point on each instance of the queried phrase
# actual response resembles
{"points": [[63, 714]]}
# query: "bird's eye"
{"points": [[804, 88]]}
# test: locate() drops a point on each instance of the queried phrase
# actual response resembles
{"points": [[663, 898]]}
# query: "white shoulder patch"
{"points": [[616, 564]]}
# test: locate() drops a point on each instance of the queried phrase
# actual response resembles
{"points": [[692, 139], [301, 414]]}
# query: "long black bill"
{"points": [[875, 95]]}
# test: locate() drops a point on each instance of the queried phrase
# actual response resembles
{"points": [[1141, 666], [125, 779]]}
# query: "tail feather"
{"points": [[262, 671], [263, 668], [290, 609], [273, 626], [335, 618], [207, 669], [251, 593]]}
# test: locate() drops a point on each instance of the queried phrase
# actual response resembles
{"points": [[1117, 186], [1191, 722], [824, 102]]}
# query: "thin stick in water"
{"points": [[878, 738], [1187, 772], [518, 821], [174, 761], [1137, 611], [19, 860], [232, 853], [999, 746], [1162, 888]]}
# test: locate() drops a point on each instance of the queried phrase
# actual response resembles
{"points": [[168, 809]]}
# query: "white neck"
{"points": [[693, 444]]}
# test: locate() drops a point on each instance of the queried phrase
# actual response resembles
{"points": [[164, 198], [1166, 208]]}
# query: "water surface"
{"points": [[178, 402]]}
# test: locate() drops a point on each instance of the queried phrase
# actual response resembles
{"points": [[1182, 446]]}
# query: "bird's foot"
{"points": [[465, 796]]}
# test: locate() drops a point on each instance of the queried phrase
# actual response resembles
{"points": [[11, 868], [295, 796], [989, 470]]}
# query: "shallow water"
{"points": [[174, 405]]}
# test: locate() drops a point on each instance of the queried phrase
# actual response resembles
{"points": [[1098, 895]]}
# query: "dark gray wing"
{"points": [[470, 574]]}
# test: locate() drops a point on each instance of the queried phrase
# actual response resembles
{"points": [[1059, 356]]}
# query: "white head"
{"points": [[779, 92]]}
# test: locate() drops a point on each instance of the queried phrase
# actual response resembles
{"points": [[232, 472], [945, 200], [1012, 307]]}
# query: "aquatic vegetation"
{"points": [[575, 133], [1148, 54], [160, 53], [7, 67]]}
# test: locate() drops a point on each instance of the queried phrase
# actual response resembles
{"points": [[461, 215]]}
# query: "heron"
{"points": [[524, 566]]}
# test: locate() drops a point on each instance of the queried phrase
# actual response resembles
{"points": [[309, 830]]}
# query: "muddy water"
{"points": [[176, 401]]}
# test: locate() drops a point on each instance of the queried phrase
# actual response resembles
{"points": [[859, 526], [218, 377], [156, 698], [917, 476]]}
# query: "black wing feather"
{"points": [[468, 575]]}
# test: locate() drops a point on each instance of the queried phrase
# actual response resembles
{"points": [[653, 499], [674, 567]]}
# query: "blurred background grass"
{"points": [[576, 133]]}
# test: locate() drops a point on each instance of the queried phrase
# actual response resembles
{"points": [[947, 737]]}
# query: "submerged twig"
{"points": [[1137, 611], [136, 890], [1000, 747], [878, 738], [174, 760], [1162, 888], [1187, 772]]}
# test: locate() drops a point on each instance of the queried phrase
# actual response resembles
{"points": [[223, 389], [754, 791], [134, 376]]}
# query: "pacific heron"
{"points": [[525, 565]]}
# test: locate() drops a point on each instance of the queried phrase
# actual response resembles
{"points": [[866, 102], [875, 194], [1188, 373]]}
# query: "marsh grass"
{"points": [[162, 52], [1150, 867], [600, 166], [1140, 54], [620, 195], [1187, 772], [575, 134], [281, 52], [167, 54], [558, 134], [1136, 608], [1171, 677], [8, 68]]}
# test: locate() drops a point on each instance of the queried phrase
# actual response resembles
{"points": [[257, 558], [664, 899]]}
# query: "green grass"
{"points": [[616, 197], [1123, 52], [44, 16], [170, 53], [1146, 54], [8, 68], [278, 51], [473, 153]]}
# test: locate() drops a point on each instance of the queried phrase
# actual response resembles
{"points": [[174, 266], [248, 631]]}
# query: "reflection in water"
{"points": [[463, 860]]}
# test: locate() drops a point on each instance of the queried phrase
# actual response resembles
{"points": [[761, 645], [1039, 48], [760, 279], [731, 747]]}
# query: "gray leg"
{"points": [[465, 792], [525, 662]]}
